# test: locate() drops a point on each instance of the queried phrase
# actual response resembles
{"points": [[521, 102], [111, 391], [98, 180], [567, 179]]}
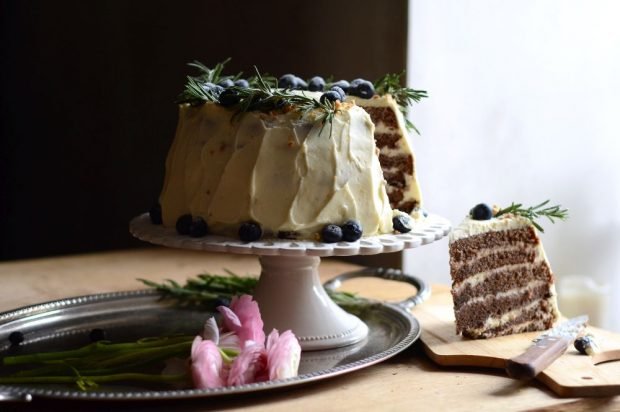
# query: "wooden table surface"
{"points": [[409, 381]]}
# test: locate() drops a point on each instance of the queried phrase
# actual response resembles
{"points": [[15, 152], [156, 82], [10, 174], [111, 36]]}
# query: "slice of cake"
{"points": [[501, 279]]}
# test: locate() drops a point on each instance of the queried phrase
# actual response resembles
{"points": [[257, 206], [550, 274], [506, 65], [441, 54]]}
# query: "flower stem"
{"points": [[133, 377], [94, 349]]}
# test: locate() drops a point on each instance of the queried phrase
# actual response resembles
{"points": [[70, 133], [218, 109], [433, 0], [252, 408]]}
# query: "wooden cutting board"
{"points": [[571, 375]]}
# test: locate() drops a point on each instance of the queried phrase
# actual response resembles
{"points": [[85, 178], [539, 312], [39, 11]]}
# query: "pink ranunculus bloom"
{"points": [[249, 366], [207, 364], [243, 318], [283, 355]]}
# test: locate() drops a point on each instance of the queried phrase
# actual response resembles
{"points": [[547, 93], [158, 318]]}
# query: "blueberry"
{"points": [[16, 338], [343, 84], [586, 345], [243, 83], [351, 231], [330, 95], [355, 82], [331, 234], [581, 343], [226, 83], [300, 84], [198, 228], [183, 224], [340, 92], [229, 97], [401, 223], [316, 84], [155, 214], [363, 89], [250, 231], [481, 211], [288, 81], [216, 90], [208, 86], [96, 335]]}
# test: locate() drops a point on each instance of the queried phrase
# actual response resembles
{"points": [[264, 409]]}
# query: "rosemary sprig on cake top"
{"points": [[534, 212], [258, 93], [404, 96]]}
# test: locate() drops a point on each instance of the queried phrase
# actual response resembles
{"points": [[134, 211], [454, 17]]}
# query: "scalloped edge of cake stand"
{"points": [[289, 291], [425, 231]]}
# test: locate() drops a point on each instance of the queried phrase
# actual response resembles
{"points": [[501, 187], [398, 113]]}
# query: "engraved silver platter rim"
{"points": [[408, 332]]}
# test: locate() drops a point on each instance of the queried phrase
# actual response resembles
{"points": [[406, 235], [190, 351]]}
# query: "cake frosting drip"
{"points": [[287, 173]]}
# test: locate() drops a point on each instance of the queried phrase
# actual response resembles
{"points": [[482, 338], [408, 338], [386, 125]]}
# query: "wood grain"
{"points": [[572, 374], [409, 381]]}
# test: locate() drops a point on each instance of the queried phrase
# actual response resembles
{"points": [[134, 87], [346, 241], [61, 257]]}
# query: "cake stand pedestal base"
{"points": [[290, 296]]}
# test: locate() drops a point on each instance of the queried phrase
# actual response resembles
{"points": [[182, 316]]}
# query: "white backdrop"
{"points": [[524, 106]]}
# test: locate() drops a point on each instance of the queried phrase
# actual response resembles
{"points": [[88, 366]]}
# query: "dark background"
{"points": [[87, 96]]}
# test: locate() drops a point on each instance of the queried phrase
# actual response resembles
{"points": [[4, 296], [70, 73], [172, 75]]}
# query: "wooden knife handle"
{"points": [[538, 356]]}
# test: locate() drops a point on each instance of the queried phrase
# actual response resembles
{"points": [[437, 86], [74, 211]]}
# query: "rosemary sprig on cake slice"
{"points": [[404, 96], [534, 212]]}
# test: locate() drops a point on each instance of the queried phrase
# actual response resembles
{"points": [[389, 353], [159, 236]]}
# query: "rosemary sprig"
{"points": [[534, 212], [207, 289], [404, 96], [195, 91], [262, 95]]}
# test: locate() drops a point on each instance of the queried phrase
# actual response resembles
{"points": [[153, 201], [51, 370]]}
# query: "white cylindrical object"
{"points": [[578, 295]]}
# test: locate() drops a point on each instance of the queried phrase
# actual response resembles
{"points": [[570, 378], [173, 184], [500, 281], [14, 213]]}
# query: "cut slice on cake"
{"points": [[502, 282]]}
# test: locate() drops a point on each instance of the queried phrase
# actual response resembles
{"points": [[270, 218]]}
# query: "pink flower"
{"points": [[283, 355], [249, 366], [243, 318], [207, 371]]}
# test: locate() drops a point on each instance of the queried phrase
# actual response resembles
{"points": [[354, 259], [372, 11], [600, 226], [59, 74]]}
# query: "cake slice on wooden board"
{"points": [[502, 282]]}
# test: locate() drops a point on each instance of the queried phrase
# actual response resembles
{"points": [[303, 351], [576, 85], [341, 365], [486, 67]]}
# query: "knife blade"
{"points": [[547, 347]]}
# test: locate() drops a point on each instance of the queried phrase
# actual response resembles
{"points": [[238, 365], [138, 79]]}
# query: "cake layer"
{"points": [[382, 116], [491, 261], [475, 312], [537, 316], [462, 250], [503, 279]]}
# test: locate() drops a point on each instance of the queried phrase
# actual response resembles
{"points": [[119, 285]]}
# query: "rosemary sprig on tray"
{"points": [[534, 212], [210, 290], [404, 96]]}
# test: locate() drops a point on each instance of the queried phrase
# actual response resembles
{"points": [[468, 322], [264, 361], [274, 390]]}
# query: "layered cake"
{"points": [[395, 153], [502, 282], [288, 158]]}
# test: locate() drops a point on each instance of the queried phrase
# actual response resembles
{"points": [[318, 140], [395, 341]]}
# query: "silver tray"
{"points": [[66, 323]]}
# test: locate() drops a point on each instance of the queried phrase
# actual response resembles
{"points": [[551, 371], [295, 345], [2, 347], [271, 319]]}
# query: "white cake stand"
{"points": [[289, 290]]}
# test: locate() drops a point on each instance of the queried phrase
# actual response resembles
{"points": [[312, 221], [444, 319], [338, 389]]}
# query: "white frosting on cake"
{"points": [[471, 227], [286, 172]]}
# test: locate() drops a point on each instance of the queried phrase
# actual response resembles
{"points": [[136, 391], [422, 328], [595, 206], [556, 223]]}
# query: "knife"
{"points": [[547, 348]]}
